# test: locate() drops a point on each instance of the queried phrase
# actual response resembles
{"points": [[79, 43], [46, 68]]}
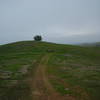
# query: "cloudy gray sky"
{"points": [[61, 21]]}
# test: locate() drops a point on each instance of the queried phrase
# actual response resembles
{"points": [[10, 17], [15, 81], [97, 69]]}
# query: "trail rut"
{"points": [[42, 89]]}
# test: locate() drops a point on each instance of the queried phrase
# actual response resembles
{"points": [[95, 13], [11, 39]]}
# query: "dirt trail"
{"points": [[42, 89]]}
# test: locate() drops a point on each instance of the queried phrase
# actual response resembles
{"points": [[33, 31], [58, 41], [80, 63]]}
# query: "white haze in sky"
{"points": [[60, 21]]}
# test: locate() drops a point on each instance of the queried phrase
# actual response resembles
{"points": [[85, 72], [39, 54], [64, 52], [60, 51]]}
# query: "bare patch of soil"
{"points": [[41, 88]]}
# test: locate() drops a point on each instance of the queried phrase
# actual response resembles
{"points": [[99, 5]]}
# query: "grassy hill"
{"points": [[71, 70], [96, 44]]}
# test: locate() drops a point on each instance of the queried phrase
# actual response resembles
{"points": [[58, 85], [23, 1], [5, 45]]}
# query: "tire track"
{"points": [[41, 88]]}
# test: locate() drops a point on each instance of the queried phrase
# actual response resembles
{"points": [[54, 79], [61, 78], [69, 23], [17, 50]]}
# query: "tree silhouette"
{"points": [[38, 38]]}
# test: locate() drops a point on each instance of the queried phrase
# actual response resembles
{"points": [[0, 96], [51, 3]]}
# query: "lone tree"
{"points": [[37, 38]]}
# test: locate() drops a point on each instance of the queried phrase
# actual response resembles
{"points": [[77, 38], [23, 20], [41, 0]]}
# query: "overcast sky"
{"points": [[61, 21]]}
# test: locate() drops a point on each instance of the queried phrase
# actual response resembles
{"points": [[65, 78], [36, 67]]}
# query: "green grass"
{"points": [[13, 58], [75, 69], [81, 69]]}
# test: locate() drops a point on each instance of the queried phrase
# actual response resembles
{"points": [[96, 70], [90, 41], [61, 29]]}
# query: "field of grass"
{"points": [[76, 72], [16, 61], [72, 70]]}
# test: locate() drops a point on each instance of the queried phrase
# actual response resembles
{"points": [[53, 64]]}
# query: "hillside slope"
{"points": [[72, 71], [96, 44]]}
